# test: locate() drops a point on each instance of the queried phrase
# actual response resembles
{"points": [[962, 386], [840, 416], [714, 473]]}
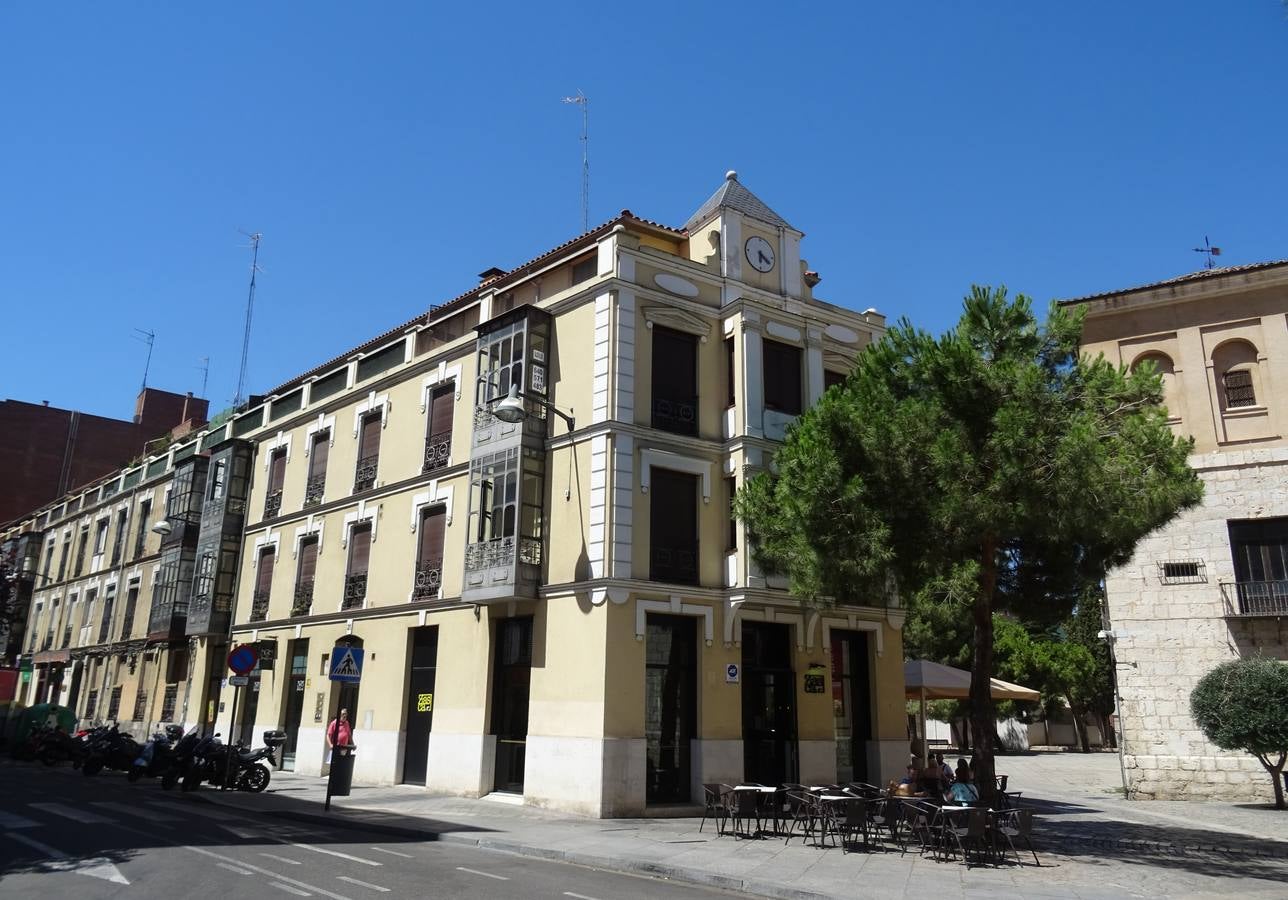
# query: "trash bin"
{"points": [[341, 777]]}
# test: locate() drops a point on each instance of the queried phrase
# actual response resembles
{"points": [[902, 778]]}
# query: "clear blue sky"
{"points": [[390, 151]]}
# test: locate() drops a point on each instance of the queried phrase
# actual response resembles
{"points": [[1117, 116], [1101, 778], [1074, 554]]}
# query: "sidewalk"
{"points": [[1088, 848]]}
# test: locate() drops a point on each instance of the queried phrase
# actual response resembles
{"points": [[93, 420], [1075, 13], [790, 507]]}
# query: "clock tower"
{"points": [[757, 246]]}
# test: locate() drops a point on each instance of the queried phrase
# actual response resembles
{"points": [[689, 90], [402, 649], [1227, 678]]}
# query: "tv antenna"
{"points": [[1209, 251], [250, 307], [584, 102], [149, 338], [205, 374]]}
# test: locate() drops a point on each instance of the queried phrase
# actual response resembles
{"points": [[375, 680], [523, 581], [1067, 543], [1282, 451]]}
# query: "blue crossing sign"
{"points": [[346, 664]]}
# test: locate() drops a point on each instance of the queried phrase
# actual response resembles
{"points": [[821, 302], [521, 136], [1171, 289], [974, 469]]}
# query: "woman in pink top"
{"points": [[339, 733]]}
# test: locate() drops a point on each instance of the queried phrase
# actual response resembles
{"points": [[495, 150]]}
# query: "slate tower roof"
{"points": [[732, 195]]}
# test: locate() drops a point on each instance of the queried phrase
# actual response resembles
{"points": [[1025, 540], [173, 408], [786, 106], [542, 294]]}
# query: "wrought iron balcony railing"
{"points": [[365, 476], [67, 636], [259, 606], [678, 415], [1252, 599], [355, 591], [438, 451], [303, 601], [313, 489], [272, 505], [429, 579], [675, 563]]}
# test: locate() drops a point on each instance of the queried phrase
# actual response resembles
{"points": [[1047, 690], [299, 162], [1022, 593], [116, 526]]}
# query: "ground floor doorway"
{"points": [[770, 753], [851, 704], [511, 683], [293, 702], [670, 706], [421, 668]]}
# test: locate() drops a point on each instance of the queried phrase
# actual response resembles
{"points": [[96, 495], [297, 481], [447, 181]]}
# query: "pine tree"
{"points": [[945, 468]]}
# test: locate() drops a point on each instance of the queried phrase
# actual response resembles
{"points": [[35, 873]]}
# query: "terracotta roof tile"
{"points": [[1200, 275]]}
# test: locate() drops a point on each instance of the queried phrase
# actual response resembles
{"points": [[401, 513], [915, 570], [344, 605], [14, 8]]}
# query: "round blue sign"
{"points": [[243, 658]]}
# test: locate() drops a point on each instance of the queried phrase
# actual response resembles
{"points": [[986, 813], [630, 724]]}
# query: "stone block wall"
{"points": [[1168, 635]]}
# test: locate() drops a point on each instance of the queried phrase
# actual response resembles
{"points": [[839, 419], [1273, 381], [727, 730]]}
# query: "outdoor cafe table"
{"points": [[766, 794]]}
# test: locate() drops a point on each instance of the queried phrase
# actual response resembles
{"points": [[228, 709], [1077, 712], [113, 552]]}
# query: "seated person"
{"points": [[945, 772], [964, 771], [964, 790]]}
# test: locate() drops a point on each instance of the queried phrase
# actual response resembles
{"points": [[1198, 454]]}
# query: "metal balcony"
{"points": [[272, 505], [259, 606], [364, 478], [678, 415], [429, 580], [438, 451], [313, 490], [674, 563], [1255, 599], [303, 601], [355, 591]]}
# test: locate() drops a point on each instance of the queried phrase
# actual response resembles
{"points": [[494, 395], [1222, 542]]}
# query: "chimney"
{"points": [[491, 274], [44, 402]]}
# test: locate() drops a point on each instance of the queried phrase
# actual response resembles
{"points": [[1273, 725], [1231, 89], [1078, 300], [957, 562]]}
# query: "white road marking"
{"points": [[246, 834], [270, 874], [579, 896], [365, 884], [393, 852], [484, 874], [94, 867], [282, 859], [290, 890], [13, 820], [365, 862], [149, 814], [231, 868], [198, 809], [84, 816]]}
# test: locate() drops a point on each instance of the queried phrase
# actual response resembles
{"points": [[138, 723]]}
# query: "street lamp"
{"points": [[163, 527], [511, 410]]}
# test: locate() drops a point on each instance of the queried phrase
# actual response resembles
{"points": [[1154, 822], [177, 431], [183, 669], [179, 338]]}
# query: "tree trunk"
{"points": [[1107, 734], [1277, 777], [1080, 726], [983, 722]]}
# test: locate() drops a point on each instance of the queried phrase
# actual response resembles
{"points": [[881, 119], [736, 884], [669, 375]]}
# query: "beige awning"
{"points": [[925, 680]]}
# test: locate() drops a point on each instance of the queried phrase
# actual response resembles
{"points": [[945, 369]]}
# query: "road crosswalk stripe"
{"points": [[289, 889], [365, 862], [152, 815], [84, 816], [197, 808], [365, 884], [10, 821]]}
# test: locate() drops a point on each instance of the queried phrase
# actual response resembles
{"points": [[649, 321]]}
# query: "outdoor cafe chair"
{"points": [[884, 814], [800, 811], [1016, 824], [850, 817], [922, 821], [715, 805], [964, 829], [744, 808]]}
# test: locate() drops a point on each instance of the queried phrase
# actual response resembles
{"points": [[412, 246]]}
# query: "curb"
{"points": [[696, 877]]}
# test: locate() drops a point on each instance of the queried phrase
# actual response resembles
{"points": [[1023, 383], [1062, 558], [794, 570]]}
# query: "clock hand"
{"points": [[763, 257]]}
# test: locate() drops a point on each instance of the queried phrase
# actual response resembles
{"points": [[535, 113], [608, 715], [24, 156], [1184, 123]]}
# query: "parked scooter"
{"points": [[181, 760], [154, 758]]}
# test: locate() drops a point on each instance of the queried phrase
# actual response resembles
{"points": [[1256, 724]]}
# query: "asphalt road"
{"points": [[65, 835]]}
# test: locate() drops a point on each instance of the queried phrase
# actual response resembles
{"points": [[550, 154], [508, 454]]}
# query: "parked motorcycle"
{"points": [[180, 760], [113, 749], [154, 758], [244, 771]]}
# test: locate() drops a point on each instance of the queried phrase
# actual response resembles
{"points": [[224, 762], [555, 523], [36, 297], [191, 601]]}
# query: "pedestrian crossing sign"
{"points": [[346, 664]]}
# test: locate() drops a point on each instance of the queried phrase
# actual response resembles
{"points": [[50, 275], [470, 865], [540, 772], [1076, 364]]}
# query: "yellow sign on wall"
{"points": [[424, 703]]}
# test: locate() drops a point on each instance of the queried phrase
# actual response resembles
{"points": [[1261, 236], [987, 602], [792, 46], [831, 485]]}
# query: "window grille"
{"points": [[1182, 571], [1238, 389]]}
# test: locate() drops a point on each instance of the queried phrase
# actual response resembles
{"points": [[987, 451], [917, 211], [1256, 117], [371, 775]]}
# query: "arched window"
{"points": [[1163, 364], [1237, 371]]}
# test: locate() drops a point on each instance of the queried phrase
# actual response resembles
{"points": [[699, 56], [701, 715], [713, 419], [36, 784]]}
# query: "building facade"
{"points": [[557, 603], [1213, 584]]}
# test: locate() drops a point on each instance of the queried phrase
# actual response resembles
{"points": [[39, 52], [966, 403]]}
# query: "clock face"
{"points": [[760, 254]]}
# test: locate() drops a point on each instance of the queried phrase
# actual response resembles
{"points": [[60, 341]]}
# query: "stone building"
{"points": [[1213, 584], [517, 506]]}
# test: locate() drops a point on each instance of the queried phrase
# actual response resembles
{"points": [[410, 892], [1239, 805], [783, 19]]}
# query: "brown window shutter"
{"points": [[265, 578], [440, 413], [308, 559], [359, 550], [277, 472], [370, 445], [433, 523], [318, 454]]}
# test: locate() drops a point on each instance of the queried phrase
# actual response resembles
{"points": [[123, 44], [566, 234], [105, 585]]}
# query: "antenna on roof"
{"points": [[584, 102], [205, 374], [250, 306], [1208, 249], [149, 338]]}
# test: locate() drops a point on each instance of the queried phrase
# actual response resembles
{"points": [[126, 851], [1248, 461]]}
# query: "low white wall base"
{"points": [[461, 765], [817, 761]]}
